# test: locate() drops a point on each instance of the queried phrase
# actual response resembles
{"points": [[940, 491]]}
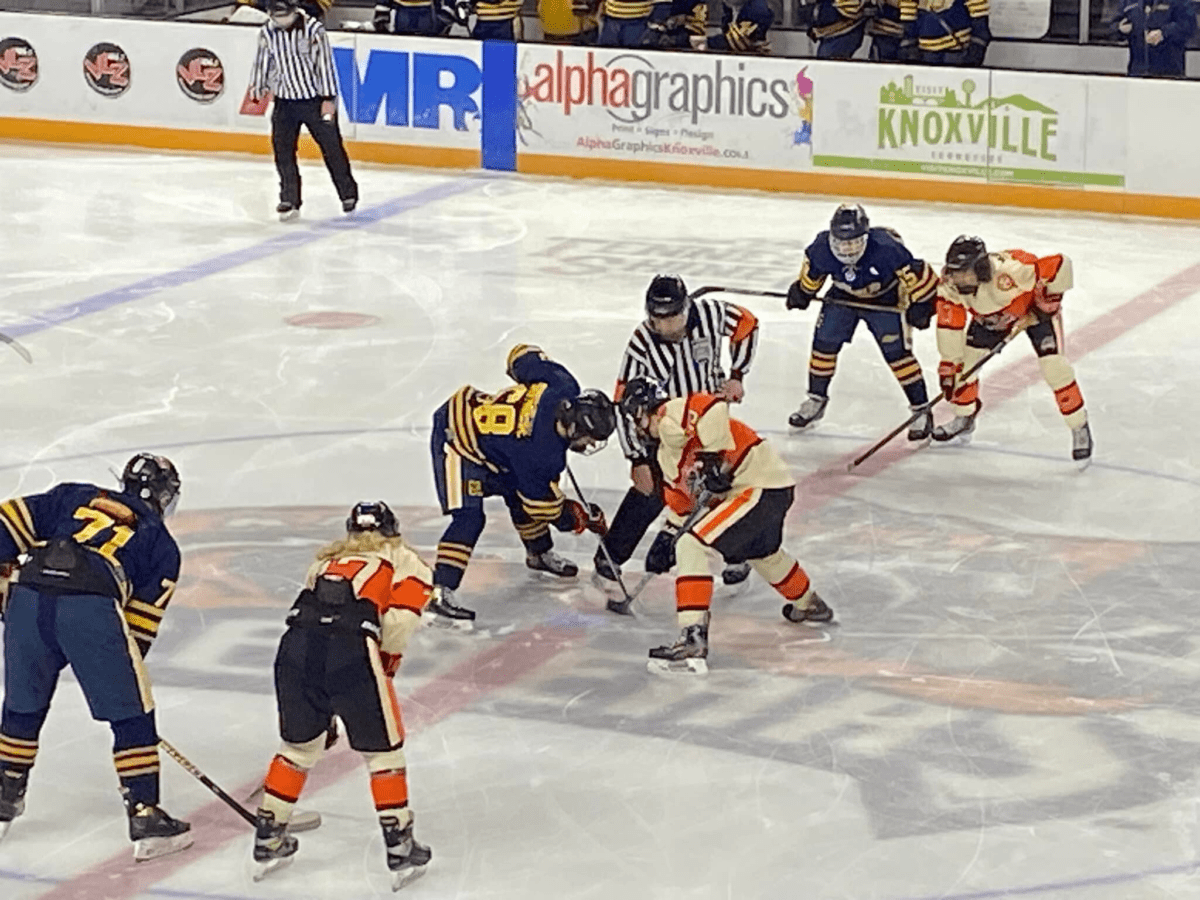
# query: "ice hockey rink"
{"points": [[1008, 707]]}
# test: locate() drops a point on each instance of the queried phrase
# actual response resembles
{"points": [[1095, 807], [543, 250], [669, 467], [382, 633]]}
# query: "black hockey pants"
{"points": [[286, 120]]}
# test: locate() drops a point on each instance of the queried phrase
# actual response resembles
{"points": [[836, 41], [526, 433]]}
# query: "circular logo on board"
{"points": [[106, 70], [18, 64], [200, 75]]}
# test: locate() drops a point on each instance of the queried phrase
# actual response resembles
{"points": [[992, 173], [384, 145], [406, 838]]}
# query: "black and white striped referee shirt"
{"points": [[294, 63], [694, 363]]}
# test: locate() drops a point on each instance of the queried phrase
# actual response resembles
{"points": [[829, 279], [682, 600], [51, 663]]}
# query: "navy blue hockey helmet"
{"points": [[589, 420], [848, 231], [666, 296], [153, 479], [969, 254], [373, 515], [642, 397]]}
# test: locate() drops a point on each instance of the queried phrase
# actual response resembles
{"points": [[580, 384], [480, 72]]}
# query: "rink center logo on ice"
{"points": [[18, 64], [631, 88]]}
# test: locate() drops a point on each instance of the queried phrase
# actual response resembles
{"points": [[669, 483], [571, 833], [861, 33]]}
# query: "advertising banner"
{"points": [[1005, 126], [697, 109]]}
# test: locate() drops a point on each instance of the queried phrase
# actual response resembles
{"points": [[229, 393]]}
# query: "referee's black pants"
{"points": [[286, 120], [636, 513]]}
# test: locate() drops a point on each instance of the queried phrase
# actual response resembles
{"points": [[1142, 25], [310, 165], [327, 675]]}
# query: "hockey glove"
{"points": [[797, 297], [1047, 303], [331, 733], [948, 377], [714, 477], [661, 556], [391, 663], [919, 315], [590, 518]]}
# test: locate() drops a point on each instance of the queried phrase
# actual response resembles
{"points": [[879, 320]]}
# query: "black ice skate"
{"points": [[810, 411], [816, 613], [273, 846], [154, 833], [735, 573], [959, 429], [551, 563], [689, 654], [287, 212], [441, 612], [406, 858], [1081, 445], [349, 204], [922, 426], [13, 783]]}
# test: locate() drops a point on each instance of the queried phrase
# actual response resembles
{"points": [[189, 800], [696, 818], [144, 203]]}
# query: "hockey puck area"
{"points": [[332, 319]]}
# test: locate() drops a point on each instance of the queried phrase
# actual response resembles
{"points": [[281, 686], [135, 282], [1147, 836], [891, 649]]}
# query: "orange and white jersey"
{"points": [[394, 578], [1016, 277], [700, 423]]}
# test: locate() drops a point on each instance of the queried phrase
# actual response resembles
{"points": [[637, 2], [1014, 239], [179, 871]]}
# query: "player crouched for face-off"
{"points": [[1000, 294], [99, 568], [346, 632], [727, 491], [513, 445]]}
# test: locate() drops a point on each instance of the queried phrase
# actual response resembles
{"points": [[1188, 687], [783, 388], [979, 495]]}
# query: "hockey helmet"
{"points": [[642, 397], [373, 515], [666, 296], [588, 420], [283, 11], [969, 254], [848, 232], [153, 479]]}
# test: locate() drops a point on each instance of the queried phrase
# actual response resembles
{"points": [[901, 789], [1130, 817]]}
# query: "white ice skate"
{"points": [[810, 412], [687, 656], [1081, 446]]}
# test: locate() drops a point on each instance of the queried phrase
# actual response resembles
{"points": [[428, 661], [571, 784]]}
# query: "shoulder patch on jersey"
{"points": [[1004, 282]]}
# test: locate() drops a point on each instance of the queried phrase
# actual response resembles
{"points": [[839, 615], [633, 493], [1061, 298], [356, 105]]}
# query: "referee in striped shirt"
{"points": [[295, 64], [679, 345]]}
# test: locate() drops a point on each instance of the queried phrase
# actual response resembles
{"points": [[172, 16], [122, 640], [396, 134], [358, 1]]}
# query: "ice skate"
{"points": [[959, 429], [441, 612], [12, 797], [154, 833], [921, 428], [816, 613], [689, 654], [349, 205], [551, 563], [406, 857], [287, 212], [605, 576], [273, 846], [735, 573], [810, 411], [1081, 445]]}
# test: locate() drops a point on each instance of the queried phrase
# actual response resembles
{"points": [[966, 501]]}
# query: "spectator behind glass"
{"points": [[1157, 34]]}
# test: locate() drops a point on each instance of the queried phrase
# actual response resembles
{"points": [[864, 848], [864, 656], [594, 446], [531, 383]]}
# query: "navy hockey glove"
{"points": [[797, 298], [714, 477], [919, 315], [661, 557]]}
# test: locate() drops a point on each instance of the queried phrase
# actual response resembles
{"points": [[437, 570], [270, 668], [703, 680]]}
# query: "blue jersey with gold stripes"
{"points": [[951, 25], [744, 29], [121, 529], [885, 269], [514, 431]]}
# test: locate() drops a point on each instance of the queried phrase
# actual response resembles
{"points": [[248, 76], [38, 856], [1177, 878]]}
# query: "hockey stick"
{"points": [[849, 304], [1019, 326], [620, 607], [17, 346], [694, 516], [207, 782]]}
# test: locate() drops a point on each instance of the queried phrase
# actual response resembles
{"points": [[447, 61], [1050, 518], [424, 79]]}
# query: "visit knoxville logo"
{"points": [[18, 64], [912, 115], [631, 89]]}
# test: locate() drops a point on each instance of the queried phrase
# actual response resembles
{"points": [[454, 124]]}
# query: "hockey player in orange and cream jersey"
{"points": [[747, 489], [982, 298], [346, 632]]}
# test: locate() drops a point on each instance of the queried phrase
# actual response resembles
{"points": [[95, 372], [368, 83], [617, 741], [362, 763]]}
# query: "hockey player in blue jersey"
{"points": [[745, 27], [513, 445], [98, 570], [871, 267]]}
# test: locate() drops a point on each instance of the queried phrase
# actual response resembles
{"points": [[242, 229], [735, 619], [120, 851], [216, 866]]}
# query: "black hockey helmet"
{"points": [[848, 231], [641, 398], [589, 420], [153, 479], [969, 253], [282, 8], [666, 296], [373, 515]]}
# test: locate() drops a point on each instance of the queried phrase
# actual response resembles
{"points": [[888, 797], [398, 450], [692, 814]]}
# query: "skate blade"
{"points": [[263, 869], [1082, 464], [959, 440], [4, 826], [441, 623], [304, 820], [407, 876], [289, 216], [690, 666], [152, 848]]}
